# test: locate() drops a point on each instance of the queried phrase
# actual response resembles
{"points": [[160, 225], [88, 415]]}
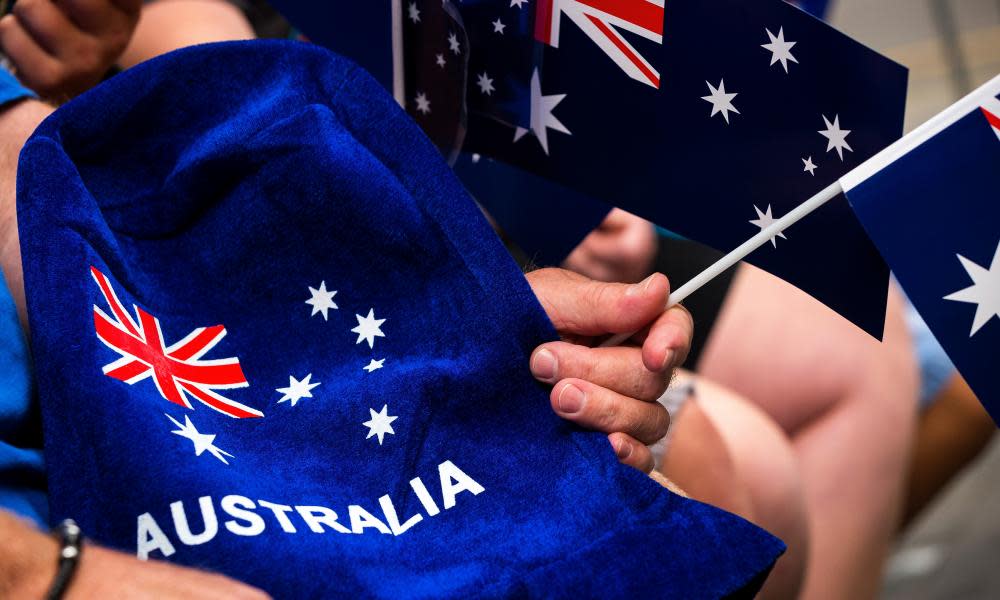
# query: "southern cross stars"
{"points": [[368, 328], [296, 389], [498, 26], [453, 43], [423, 104], [837, 137], [984, 291], [809, 166], [380, 423], [374, 365], [764, 220], [780, 49], [721, 101], [322, 300], [414, 12], [517, 3], [485, 84], [542, 118], [201, 441], [439, 59]]}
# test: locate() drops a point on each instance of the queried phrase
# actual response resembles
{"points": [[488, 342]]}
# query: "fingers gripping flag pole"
{"points": [[740, 252], [846, 183]]}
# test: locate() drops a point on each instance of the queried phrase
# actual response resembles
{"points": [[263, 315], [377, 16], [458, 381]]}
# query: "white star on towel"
{"points": [[721, 101], [498, 26], [201, 441], [517, 3], [380, 423], [368, 328], [322, 300], [837, 137], [374, 365], [453, 43], [984, 291], [779, 48], [439, 59], [414, 12], [296, 389], [764, 220]]}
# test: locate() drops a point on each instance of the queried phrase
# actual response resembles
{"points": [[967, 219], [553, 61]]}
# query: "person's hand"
{"points": [[29, 559], [622, 248], [61, 48], [613, 390]]}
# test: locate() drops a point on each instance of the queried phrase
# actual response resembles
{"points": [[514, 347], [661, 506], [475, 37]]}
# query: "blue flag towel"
{"points": [[275, 338]]}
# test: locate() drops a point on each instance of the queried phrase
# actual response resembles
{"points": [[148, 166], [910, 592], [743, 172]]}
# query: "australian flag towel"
{"points": [[275, 338]]}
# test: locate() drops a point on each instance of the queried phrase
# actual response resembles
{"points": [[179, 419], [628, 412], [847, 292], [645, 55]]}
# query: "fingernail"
{"points": [[638, 288], [543, 366], [668, 359], [623, 449], [570, 399]]}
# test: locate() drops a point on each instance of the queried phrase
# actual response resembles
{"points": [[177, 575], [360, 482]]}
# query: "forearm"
{"points": [[27, 559], [17, 122], [166, 25]]}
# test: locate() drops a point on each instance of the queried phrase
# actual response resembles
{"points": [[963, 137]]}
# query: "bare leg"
{"points": [[726, 452], [848, 404], [952, 432]]}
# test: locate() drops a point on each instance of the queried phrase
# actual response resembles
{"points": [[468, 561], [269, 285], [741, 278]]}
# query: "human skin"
{"points": [[60, 49], [728, 452], [846, 401], [833, 392], [622, 248], [166, 25], [613, 390]]}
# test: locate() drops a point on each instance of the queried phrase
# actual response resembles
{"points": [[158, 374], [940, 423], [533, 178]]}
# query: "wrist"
{"points": [[28, 559]]}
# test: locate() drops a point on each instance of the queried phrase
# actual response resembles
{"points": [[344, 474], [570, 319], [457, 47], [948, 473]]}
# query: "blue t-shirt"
{"points": [[22, 468]]}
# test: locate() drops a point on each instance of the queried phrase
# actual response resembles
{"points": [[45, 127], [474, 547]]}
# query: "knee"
{"points": [[699, 462], [765, 464]]}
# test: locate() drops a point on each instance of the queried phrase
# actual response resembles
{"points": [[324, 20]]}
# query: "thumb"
{"points": [[579, 306]]}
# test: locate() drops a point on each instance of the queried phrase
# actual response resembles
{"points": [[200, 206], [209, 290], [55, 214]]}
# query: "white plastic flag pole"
{"points": [[985, 95], [741, 251]]}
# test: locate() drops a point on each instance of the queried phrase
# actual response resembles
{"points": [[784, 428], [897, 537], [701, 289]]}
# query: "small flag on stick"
{"points": [[931, 203]]}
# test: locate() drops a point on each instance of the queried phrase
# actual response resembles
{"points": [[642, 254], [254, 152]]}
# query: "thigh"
{"points": [[791, 355]]}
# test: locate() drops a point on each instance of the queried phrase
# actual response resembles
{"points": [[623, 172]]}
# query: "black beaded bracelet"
{"points": [[70, 542]]}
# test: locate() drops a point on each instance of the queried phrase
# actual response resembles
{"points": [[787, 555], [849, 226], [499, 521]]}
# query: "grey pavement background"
{"points": [[951, 47]]}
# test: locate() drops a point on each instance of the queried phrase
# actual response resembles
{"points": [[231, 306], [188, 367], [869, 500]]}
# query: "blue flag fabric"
{"points": [[544, 219], [932, 209], [723, 119], [275, 338]]}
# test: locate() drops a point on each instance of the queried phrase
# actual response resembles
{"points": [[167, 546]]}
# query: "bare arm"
{"points": [[166, 25], [28, 565], [16, 124]]}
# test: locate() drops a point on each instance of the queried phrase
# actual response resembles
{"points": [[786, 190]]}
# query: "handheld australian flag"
{"points": [[712, 119], [930, 204], [275, 339]]}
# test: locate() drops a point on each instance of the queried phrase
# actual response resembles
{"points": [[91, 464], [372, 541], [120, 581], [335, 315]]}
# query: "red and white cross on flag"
{"points": [[600, 20], [991, 108], [177, 370]]}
